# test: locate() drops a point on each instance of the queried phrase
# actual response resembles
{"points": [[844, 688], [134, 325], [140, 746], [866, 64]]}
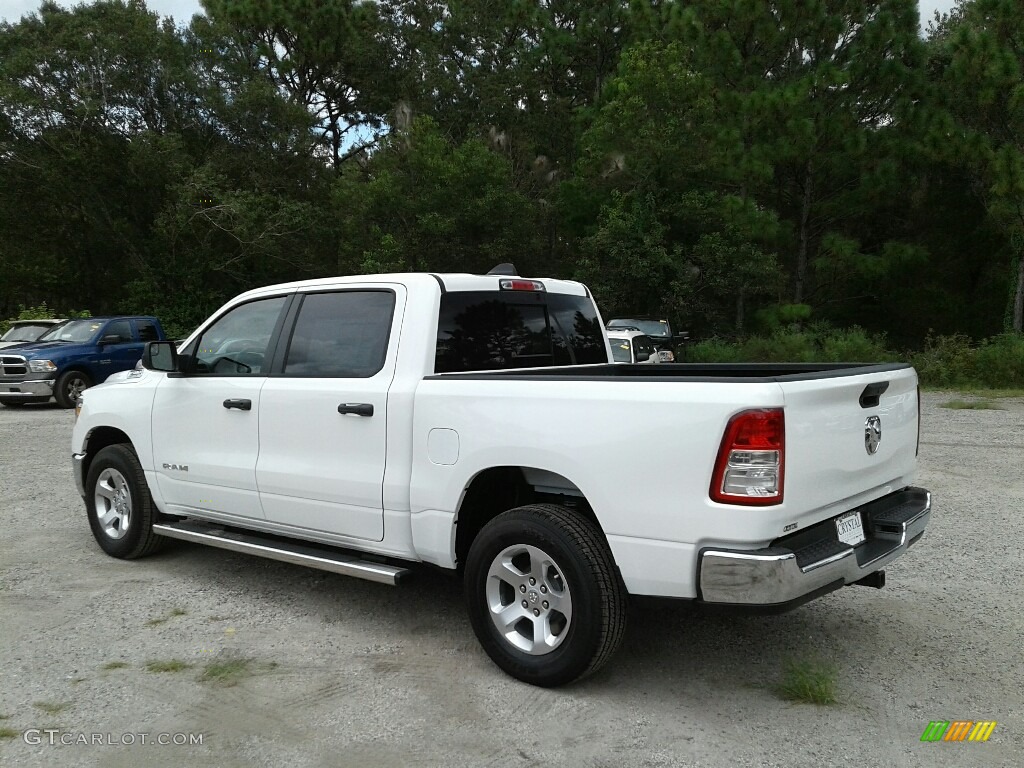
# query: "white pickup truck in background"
{"points": [[475, 422]]}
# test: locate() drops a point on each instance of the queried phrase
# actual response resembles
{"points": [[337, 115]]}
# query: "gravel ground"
{"points": [[348, 673]]}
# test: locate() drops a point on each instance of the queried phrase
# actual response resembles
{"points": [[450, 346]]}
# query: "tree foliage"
{"points": [[735, 165]]}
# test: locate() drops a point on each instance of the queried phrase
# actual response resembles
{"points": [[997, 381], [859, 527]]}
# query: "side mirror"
{"points": [[111, 338], [160, 356], [642, 356]]}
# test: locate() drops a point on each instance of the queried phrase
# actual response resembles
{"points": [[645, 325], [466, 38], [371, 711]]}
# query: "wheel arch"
{"points": [[99, 438], [495, 490], [79, 367]]}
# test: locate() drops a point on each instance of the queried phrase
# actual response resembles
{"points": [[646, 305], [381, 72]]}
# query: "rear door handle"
{"points": [[242, 405], [356, 409]]}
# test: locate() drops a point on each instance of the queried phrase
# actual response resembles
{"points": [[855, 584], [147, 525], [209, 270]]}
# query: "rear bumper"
{"points": [[802, 566], [18, 389]]}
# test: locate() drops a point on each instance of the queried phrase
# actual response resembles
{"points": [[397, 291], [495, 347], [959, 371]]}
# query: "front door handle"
{"points": [[242, 405], [357, 409]]}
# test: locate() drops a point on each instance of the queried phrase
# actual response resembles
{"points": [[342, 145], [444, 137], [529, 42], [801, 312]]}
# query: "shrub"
{"points": [[42, 312], [854, 345], [999, 361], [946, 361], [713, 351], [818, 344]]}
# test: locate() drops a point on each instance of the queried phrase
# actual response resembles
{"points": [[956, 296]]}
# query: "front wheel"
{"points": [[69, 387], [120, 509], [545, 599]]}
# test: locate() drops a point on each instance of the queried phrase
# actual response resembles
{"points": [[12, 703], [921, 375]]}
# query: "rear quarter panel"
{"points": [[611, 438], [618, 441]]}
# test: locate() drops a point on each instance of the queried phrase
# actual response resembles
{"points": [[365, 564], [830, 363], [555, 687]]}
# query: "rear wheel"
{"points": [[120, 508], [69, 387], [545, 599]]}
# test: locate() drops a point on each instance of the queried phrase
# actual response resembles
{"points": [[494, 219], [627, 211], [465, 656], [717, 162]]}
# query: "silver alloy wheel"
{"points": [[113, 503], [528, 599], [74, 388]]}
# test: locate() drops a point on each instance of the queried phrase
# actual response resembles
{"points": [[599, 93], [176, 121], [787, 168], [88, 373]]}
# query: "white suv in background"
{"points": [[629, 345]]}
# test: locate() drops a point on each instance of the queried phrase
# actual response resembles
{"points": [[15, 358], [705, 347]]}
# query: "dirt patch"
{"points": [[344, 672]]}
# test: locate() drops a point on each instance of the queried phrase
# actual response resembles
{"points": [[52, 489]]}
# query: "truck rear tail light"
{"points": [[751, 461], [521, 285]]}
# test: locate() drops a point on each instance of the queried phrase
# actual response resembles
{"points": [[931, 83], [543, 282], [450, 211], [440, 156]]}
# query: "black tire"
{"points": [[580, 557], [69, 385], [126, 536], [17, 402]]}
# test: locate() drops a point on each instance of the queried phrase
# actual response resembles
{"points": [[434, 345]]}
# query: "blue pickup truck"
{"points": [[72, 357]]}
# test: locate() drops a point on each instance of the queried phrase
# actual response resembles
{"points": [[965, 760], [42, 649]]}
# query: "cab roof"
{"points": [[448, 282]]}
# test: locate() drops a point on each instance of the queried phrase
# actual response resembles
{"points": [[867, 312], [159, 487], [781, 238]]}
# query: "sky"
{"points": [[182, 10]]}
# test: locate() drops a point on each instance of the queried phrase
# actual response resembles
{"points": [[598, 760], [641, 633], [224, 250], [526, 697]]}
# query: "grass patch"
{"points": [[808, 682], [995, 394], [169, 665], [8, 733], [115, 665], [50, 707], [232, 671], [972, 405]]}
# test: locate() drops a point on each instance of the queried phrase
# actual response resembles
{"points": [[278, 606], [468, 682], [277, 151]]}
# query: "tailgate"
{"points": [[849, 439]]}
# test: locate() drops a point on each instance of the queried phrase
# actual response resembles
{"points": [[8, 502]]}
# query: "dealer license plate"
{"points": [[850, 529]]}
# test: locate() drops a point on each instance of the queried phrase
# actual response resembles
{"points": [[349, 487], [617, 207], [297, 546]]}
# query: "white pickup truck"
{"points": [[362, 425]]}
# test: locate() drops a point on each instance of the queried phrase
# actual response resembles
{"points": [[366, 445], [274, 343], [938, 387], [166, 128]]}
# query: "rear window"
{"points": [[491, 330]]}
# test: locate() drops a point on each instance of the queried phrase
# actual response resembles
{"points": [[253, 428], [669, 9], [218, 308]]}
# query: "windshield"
{"points": [[75, 330], [656, 329], [620, 351], [26, 332]]}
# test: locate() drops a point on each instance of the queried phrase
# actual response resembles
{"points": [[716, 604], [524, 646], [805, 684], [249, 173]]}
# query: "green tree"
{"points": [[78, 193], [808, 97], [978, 59], [334, 59], [700, 243], [425, 204]]}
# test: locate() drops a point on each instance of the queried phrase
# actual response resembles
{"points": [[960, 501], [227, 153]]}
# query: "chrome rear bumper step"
{"points": [[296, 552]]}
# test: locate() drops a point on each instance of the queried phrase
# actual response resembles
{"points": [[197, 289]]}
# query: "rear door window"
{"points": [[343, 334]]}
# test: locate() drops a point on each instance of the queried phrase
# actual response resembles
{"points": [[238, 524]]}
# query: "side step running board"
{"points": [[285, 551]]}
